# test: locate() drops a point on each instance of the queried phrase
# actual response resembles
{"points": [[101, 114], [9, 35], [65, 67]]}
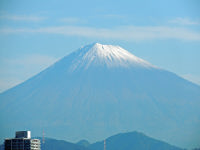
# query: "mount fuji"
{"points": [[100, 90]]}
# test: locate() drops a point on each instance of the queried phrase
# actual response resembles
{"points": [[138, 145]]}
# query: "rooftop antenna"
{"points": [[104, 144]]}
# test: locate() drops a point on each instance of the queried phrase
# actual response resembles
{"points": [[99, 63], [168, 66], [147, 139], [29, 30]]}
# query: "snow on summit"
{"points": [[105, 55]]}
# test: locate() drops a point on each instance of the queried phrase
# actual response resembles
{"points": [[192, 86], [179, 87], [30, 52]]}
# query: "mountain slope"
{"points": [[105, 55], [83, 143], [100, 90], [132, 141], [53, 144]]}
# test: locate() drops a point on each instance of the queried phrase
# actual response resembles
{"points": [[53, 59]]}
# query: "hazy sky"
{"points": [[34, 34]]}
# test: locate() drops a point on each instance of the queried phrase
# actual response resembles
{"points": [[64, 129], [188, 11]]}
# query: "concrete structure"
{"points": [[23, 134], [22, 141]]}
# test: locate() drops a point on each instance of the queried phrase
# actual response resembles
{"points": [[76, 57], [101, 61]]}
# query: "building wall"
{"points": [[22, 144]]}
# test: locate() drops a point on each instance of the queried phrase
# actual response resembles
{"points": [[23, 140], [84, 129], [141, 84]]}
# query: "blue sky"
{"points": [[34, 34]]}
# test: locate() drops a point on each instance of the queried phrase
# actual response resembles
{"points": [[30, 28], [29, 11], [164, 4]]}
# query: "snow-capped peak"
{"points": [[106, 55]]}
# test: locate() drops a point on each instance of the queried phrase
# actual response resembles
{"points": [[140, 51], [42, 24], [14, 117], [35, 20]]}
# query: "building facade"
{"points": [[22, 141]]}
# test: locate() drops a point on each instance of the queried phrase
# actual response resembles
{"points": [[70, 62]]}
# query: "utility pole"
{"points": [[43, 140], [104, 144]]}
